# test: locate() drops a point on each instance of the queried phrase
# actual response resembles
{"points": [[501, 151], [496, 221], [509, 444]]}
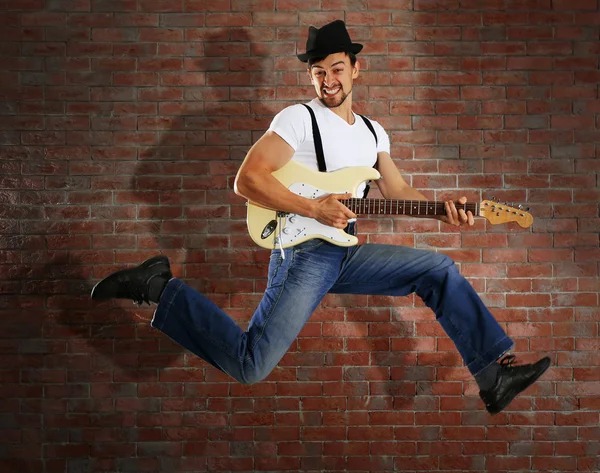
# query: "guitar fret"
{"points": [[406, 207]]}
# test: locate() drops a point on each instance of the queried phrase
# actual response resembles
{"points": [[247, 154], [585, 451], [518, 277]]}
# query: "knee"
{"points": [[440, 270], [437, 280], [253, 376], [443, 264]]}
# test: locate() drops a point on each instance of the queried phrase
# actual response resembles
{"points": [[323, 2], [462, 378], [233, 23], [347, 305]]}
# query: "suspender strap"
{"points": [[369, 126], [317, 140]]}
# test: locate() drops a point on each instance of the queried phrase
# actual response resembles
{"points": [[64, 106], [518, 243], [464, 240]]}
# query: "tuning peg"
{"points": [[527, 209], [492, 198], [520, 207]]}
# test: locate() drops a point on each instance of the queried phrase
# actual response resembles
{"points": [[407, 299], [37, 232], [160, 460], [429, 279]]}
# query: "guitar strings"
{"points": [[421, 205]]}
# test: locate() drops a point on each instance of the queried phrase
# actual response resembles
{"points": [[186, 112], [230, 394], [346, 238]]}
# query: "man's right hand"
{"points": [[329, 211]]}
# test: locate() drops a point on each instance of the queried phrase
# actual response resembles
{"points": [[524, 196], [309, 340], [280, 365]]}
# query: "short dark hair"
{"points": [[314, 60]]}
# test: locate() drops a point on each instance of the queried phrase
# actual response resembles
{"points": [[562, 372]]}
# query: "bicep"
{"points": [[268, 154]]}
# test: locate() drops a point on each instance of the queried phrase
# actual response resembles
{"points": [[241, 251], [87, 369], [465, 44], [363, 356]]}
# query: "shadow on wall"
{"points": [[171, 179], [182, 180], [108, 172], [165, 188]]}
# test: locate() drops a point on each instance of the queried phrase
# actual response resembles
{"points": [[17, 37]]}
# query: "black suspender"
{"points": [[319, 143], [317, 140], [369, 126]]}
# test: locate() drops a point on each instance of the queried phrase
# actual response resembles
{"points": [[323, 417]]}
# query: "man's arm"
{"points": [[255, 182], [393, 186]]}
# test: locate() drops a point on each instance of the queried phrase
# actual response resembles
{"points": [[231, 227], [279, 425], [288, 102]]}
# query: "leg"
{"points": [[296, 285], [399, 271], [395, 270]]}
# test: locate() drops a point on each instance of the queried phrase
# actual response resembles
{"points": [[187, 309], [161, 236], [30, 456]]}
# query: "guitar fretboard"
{"points": [[420, 208]]}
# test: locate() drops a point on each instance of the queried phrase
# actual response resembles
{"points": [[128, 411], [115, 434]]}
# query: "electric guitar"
{"points": [[273, 229]]}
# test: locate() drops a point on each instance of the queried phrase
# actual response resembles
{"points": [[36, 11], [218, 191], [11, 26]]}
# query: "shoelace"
{"points": [[507, 361], [134, 292]]}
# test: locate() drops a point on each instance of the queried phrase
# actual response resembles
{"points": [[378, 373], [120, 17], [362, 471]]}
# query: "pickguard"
{"points": [[298, 228]]}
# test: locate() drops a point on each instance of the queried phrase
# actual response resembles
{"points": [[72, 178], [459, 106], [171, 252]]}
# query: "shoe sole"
{"points": [[155, 260], [506, 400]]}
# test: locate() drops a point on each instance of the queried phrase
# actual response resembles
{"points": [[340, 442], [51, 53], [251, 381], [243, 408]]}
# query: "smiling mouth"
{"points": [[331, 92]]}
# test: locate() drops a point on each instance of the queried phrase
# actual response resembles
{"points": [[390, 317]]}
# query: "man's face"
{"points": [[333, 78]]}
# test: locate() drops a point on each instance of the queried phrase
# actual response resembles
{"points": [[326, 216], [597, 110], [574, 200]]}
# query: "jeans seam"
{"points": [[482, 357], [273, 306], [465, 342], [210, 339], [168, 304], [189, 325]]}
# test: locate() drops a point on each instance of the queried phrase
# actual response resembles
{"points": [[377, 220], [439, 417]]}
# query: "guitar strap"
{"points": [[319, 143]]}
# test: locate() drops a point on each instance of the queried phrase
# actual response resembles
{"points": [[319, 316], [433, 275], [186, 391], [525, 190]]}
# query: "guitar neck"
{"points": [[417, 208]]}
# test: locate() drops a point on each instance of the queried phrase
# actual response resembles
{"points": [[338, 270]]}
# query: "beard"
{"points": [[336, 101]]}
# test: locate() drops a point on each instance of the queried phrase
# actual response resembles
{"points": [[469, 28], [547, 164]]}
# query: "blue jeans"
{"points": [[295, 288]]}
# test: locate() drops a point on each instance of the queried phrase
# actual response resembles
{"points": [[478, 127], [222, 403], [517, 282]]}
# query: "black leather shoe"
{"points": [[511, 380], [133, 283]]}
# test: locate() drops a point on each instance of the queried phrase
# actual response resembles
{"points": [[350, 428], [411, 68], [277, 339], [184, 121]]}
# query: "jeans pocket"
{"points": [[278, 267], [309, 245]]}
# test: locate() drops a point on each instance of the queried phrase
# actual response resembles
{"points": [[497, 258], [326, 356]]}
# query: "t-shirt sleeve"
{"points": [[383, 139], [290, 124]]}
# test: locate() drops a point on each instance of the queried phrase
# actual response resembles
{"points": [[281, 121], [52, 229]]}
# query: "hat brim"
{"points": [[353, 48]]}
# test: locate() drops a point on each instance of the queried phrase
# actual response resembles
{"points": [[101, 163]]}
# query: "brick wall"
{"points": [[122, 124]]}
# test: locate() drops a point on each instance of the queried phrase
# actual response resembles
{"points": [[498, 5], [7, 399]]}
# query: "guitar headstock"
{"points": [[497, 212]]}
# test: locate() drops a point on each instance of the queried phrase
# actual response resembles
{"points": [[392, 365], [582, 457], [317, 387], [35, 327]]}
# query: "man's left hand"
{"points": [[456, 216]]}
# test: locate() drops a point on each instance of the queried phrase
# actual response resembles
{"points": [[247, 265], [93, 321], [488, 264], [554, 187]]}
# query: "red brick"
{"points": [[468, 109]]}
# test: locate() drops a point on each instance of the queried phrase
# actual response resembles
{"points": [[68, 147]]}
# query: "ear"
{"points": [[310, 76], [356, 69]]}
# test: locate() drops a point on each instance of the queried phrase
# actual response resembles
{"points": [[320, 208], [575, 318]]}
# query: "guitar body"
{"points": [[270, 230]]}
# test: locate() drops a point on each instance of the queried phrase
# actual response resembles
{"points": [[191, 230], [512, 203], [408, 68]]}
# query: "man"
{"points": [[300, 276]]}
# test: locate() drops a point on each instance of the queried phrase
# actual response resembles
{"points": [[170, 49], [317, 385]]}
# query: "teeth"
{"points": [[331, 91]]}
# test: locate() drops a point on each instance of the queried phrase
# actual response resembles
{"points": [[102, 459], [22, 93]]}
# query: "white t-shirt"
{"points": [[344, 145]]}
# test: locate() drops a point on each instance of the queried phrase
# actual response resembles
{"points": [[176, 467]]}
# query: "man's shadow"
{"points": [[183, 184], [178, 201]]}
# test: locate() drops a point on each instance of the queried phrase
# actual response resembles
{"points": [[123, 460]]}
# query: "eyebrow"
{"points": [[335, 64]]}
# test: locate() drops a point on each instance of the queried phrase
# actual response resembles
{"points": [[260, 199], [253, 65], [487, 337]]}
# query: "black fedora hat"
{"points": [[329, 39]]}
